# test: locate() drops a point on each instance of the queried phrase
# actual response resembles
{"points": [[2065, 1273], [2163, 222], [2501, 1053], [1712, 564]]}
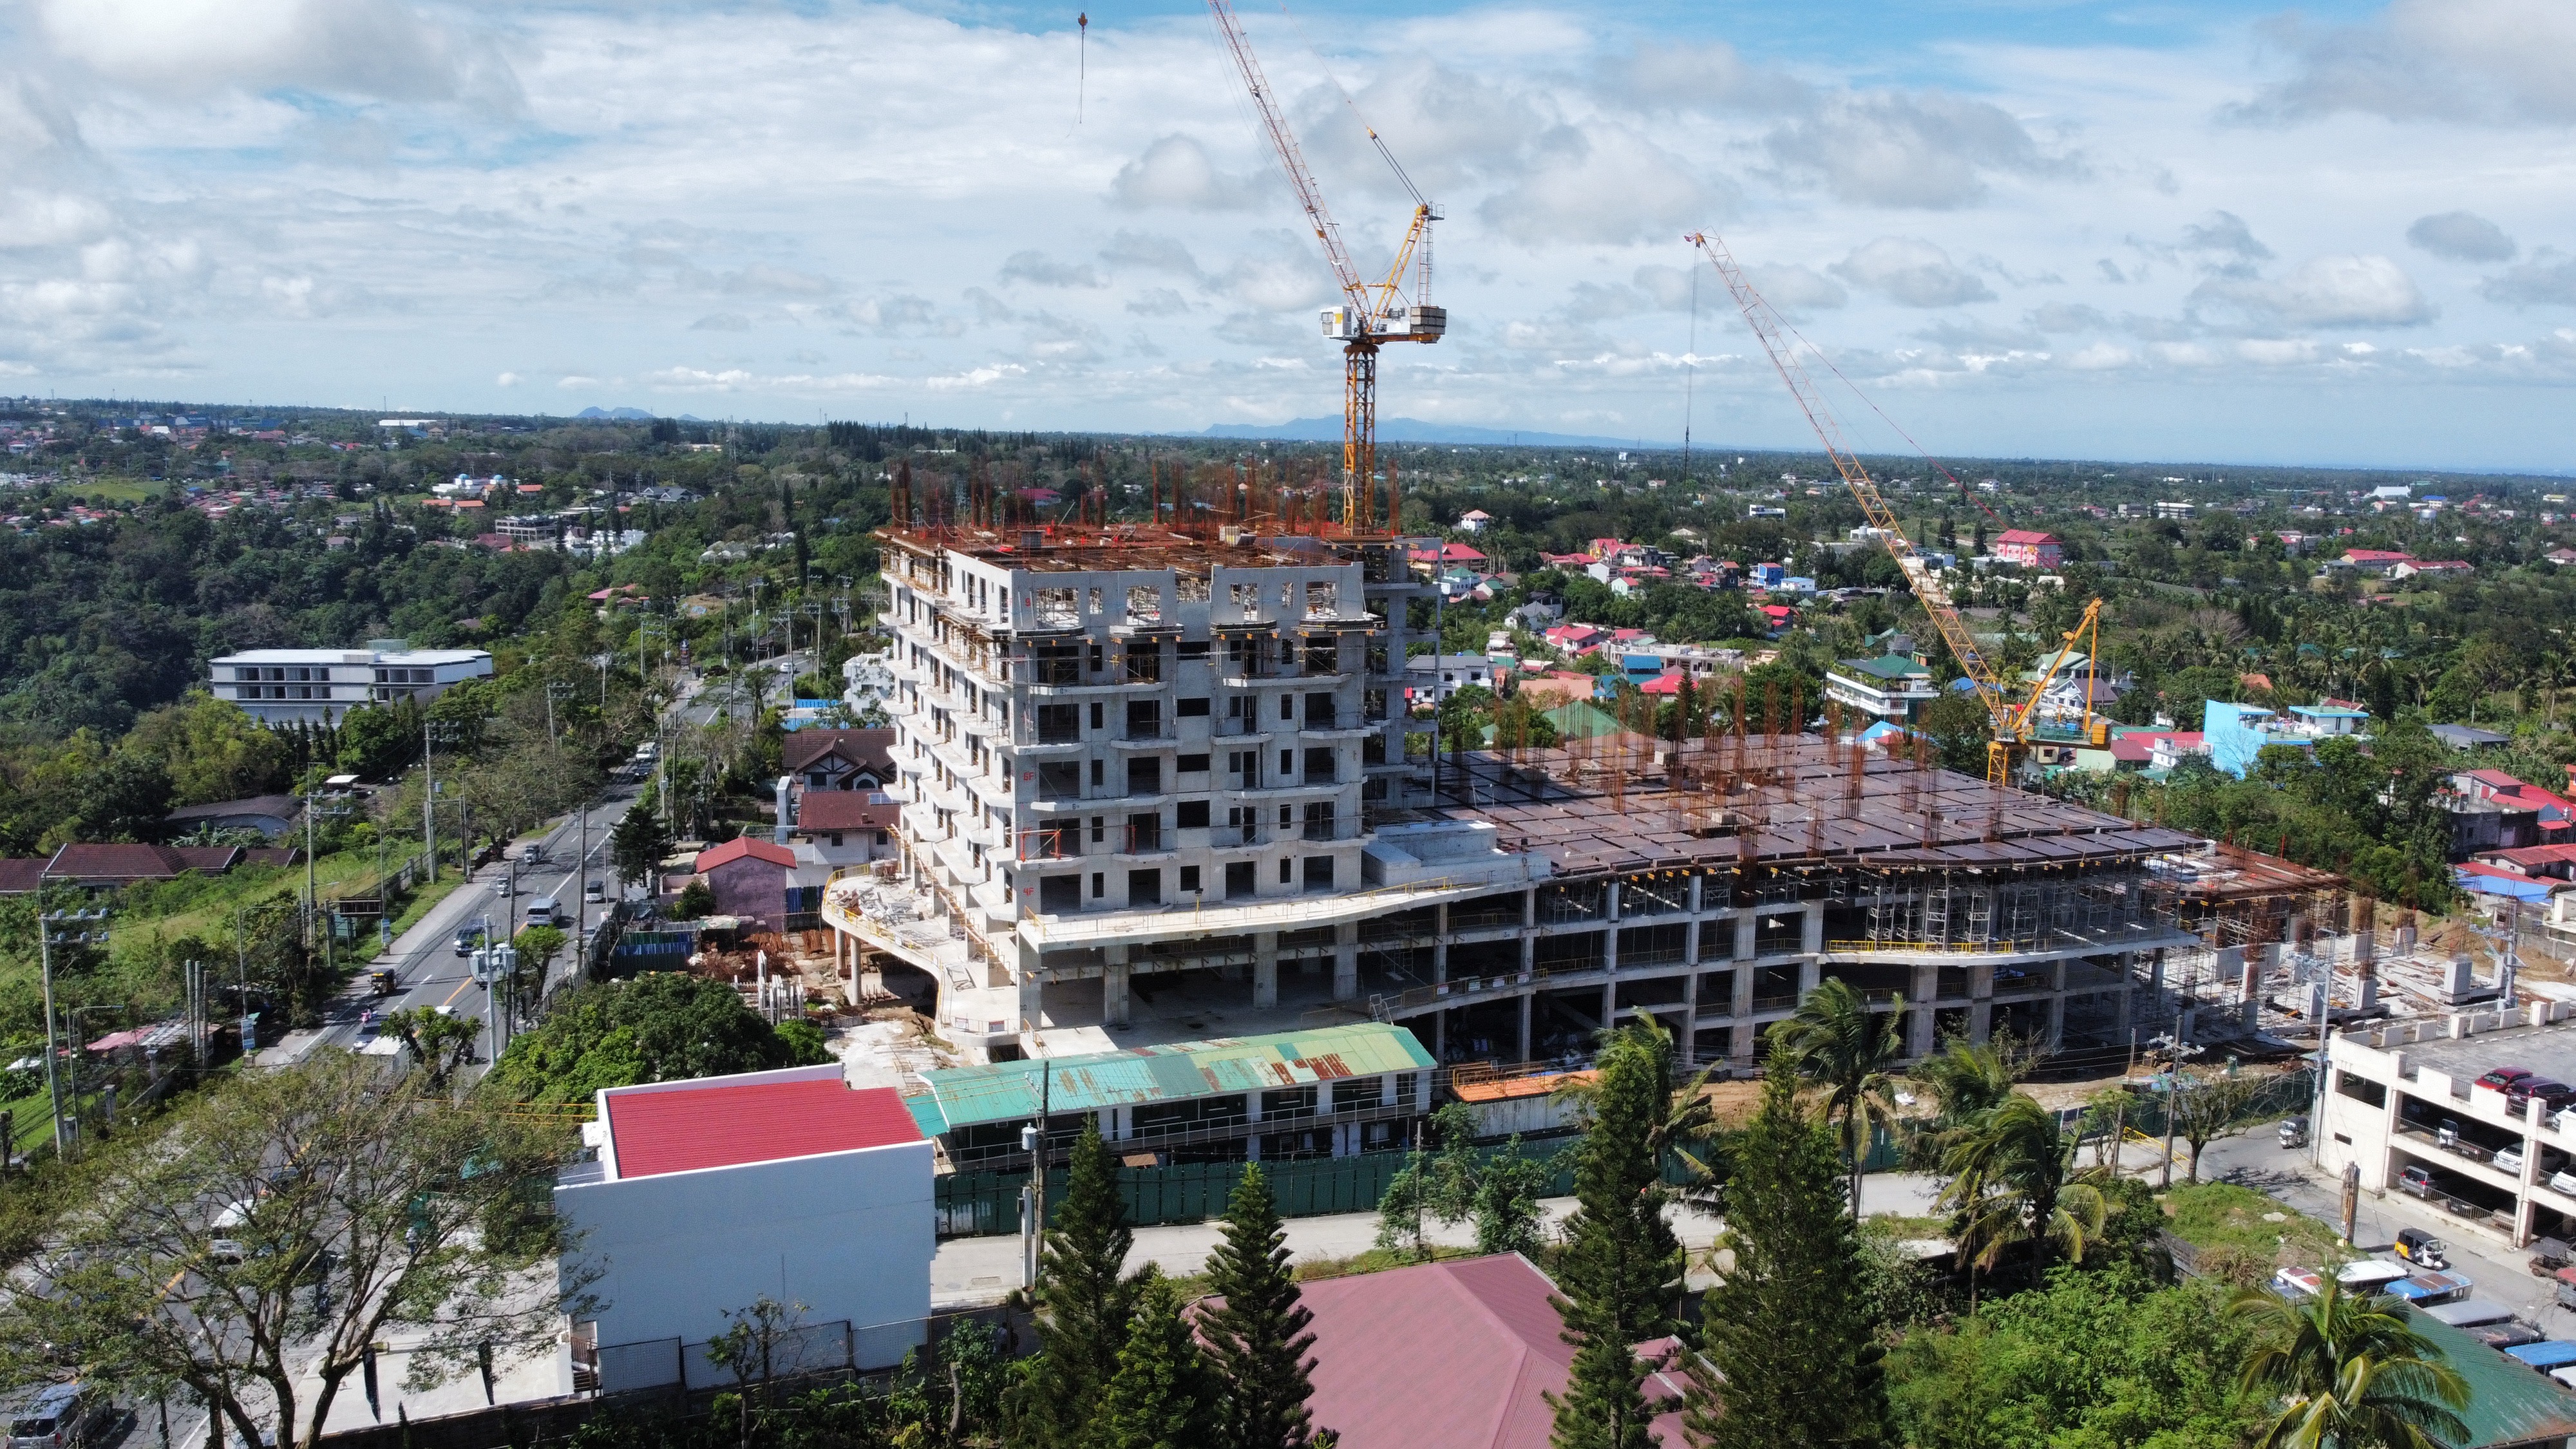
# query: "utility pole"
{"points": [[2173, 1097], [431, 731], [47, 938], [581, 893]]}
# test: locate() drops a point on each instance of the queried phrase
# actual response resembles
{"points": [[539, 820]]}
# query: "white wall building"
{"points": [[2406, 1096], [711, 1194], [319, 686]]}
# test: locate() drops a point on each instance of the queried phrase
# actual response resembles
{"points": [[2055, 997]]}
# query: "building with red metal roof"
{"points": [[1454, 1355], [708, 1195]]}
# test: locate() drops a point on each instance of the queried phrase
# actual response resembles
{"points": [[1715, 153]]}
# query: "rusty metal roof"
{"points": [[1011, 1091]]}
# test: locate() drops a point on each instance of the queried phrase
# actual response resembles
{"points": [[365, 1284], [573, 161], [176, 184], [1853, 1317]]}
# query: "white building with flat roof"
{"points": [[320, 686], [709, 1195]]}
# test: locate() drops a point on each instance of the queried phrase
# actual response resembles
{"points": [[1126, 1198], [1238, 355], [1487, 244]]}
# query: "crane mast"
{"points": [[2012, 720], [1372, 313]]}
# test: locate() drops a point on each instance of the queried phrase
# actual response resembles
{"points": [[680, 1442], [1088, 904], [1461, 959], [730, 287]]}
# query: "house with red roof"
{"points": [[750, 878], [1447, 553], [707, 1195], [839, 759], [2029, 548], [846, 827], [1454, 1355], [2371, 561]]}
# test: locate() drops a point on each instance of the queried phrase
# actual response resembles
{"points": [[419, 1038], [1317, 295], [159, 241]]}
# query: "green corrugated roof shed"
{"points": [[2509, 1405], [1010, 1091]]}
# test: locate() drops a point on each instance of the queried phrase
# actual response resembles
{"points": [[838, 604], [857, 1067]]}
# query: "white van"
{"points": [[221, 1244], [544, 912]]}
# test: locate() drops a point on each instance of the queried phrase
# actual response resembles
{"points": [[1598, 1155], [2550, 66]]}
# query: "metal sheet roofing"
{"points": [[2509, 1403], [733, 1123], [1011, 1091]]}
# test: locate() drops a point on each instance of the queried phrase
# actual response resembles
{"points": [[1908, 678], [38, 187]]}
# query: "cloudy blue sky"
{"points": [[2161, 229]]}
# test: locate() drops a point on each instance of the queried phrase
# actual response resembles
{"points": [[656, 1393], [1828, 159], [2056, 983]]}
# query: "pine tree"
{"points": [[1258, 1340], [1622, 1266], [1084, 1306], [1162, 1395], [1791, 1353]]}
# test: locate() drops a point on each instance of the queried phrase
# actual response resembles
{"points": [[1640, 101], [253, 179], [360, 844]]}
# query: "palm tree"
{"points": [[2350, 1373], [1966, 1077], [1839, 1044], [1689, 1130], [2013, 1180]]}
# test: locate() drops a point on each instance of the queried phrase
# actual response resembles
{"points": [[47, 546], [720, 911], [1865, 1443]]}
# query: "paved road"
{"points": [[427, 969]]}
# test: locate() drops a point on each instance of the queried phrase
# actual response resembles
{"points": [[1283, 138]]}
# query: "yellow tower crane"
{"points": [[1372, 313], [2014, 720]]}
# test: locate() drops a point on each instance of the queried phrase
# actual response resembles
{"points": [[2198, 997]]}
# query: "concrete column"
{"points": [[1610, 902], [2121, 1004], [1610, 947], [1529, 954], [1529, 909], [2232, 965], [1440, 1036], [1981, 1002], [1528, 1001], [1811, 974], [1113, 995], [1690, 945], [1744, 931], [2056, 1020], [1741, 1007], [1811, 935], [1265, 969], [1440, 942], [1346, 961], [1919, 1020]]}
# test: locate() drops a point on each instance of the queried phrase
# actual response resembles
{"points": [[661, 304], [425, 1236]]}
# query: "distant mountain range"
{"points": [[628, 415], [1413, 430]]}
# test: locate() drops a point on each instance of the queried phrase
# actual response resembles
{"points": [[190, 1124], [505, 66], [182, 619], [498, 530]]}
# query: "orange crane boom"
{"points": [[1373, 313], [2012, 721]]}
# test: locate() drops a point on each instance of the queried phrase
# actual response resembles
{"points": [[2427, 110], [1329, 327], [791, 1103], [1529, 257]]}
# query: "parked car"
{"points": [[2563, 1181], [2503, 1078], [58, 1416], [2294, 1132], [2418, 1181], [2556, 1093]]}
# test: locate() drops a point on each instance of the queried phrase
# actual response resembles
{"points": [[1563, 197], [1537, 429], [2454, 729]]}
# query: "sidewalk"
{"points": [[973, 1272]]}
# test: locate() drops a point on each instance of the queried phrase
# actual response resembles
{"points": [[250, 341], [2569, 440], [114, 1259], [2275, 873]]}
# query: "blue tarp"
{"points": [[2512, 887]]}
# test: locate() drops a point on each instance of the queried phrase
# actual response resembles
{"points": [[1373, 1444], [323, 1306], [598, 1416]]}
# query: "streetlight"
{"points": [[47, 938]]}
